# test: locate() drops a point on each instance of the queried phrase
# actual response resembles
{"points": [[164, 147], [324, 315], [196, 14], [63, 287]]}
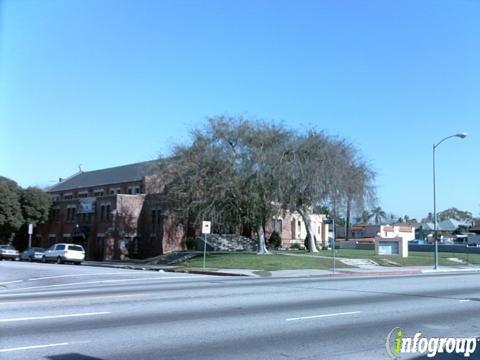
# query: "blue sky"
{"points": [[105, 83]]}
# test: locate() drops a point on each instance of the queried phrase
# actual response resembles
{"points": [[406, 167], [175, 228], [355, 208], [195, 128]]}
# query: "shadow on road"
{"points": [[474, 356], [72, 356]]}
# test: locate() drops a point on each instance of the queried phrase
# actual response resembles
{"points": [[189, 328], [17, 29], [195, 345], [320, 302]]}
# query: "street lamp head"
{"points": [[462, 135]]}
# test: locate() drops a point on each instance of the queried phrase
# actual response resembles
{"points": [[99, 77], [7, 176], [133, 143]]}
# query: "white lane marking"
{"points": [[464, 300], [324, 315], [32, 347], [78, 275], [76, 298], [55, 316], [107, 281], [11, 282]]}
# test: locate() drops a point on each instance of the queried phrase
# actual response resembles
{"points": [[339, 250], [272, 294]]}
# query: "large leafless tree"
{"points": [[237, 171], [227, 174]]}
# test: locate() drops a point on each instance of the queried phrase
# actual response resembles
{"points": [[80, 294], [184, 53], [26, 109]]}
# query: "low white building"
{"points": [[292, 229]]}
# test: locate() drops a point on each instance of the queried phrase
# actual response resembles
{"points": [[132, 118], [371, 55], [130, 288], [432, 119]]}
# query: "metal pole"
{"points": [[334, 268], [29, 241], [435, 235], [204, 249], [435, 256]]}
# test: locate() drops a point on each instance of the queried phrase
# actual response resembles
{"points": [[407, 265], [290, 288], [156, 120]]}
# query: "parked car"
{"points": [[32, 254], [417, 242], [63, 252], [8, 252]]}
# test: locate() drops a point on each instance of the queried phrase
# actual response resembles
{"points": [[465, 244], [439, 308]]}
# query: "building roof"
{"points": [[446, 225], [114, 175]]}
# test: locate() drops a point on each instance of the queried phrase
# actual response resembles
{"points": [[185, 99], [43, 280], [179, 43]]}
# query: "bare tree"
{"points": [[237, 171], [227, 174], [317, 169]]}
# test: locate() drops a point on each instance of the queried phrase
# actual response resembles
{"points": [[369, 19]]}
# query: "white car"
{"points": [[8, 252], [63, 252]]}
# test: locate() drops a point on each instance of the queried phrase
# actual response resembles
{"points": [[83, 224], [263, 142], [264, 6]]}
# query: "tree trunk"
{"points": [[310, 233], [262, 246], [347, 220]]}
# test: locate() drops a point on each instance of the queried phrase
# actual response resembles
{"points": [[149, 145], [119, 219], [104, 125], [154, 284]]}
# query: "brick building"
{"points": [[120, 210], [112, 211]]}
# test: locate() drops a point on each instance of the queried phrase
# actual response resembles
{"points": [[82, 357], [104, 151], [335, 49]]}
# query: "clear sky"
{"points": [[107, 82]]}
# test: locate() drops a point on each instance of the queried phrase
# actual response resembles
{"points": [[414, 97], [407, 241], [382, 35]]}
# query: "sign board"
{"points": [[86, 206], [388, 248], [30, 229], [206, 227]]}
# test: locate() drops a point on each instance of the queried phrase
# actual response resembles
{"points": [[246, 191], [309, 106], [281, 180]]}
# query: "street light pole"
{"points": [[435, 239]]}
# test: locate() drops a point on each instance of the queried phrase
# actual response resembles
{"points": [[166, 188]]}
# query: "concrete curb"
{"points": [[202, 272], [432, 271], [379, 273]]}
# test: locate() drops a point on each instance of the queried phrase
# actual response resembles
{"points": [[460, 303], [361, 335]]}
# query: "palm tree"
{"points": [[378, 215], [365, 217]]}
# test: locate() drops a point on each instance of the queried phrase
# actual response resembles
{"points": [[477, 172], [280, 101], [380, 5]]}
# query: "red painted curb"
{"points": [[375, 273]]}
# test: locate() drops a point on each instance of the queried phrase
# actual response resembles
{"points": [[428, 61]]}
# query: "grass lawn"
{"points": [[261, 262], [279, 261]]}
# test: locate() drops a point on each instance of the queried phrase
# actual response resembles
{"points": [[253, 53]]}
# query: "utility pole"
{"points": [[30, 232]]}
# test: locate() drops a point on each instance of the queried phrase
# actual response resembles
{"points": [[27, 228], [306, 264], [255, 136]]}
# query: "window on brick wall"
{"points": [[98, 192], [55, 214], [102, 212], [277, 225], [70, 214], [108, 210]]}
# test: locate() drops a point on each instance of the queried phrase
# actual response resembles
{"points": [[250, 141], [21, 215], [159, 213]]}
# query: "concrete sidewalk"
{"points": [[343, 272]]}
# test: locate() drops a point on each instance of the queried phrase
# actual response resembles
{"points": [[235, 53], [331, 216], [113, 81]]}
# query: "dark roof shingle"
{"points": [[114, 175]]}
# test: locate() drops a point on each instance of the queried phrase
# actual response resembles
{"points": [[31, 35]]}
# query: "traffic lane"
{"points": [[34, 274], [37, 276], [165, 309], [401, 284], [184, 287], [148, 308], [268, 332]]}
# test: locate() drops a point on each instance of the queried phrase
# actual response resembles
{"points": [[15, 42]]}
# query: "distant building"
{"points": [[292, 229], [368, 232], [448, 225]]}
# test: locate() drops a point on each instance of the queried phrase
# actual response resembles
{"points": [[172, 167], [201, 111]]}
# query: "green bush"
{"points": [[275, 241], [296, 246], [191, 243]]}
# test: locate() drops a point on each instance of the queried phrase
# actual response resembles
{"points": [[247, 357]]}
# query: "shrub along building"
{"points": [[120, 210]]}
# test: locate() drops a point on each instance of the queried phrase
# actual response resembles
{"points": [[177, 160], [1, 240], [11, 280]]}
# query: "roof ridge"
{"points": [[112, 175], [114, 167]]}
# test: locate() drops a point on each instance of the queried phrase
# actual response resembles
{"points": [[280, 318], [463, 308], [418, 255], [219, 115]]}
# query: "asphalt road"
{"points": [[50, 311]]}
